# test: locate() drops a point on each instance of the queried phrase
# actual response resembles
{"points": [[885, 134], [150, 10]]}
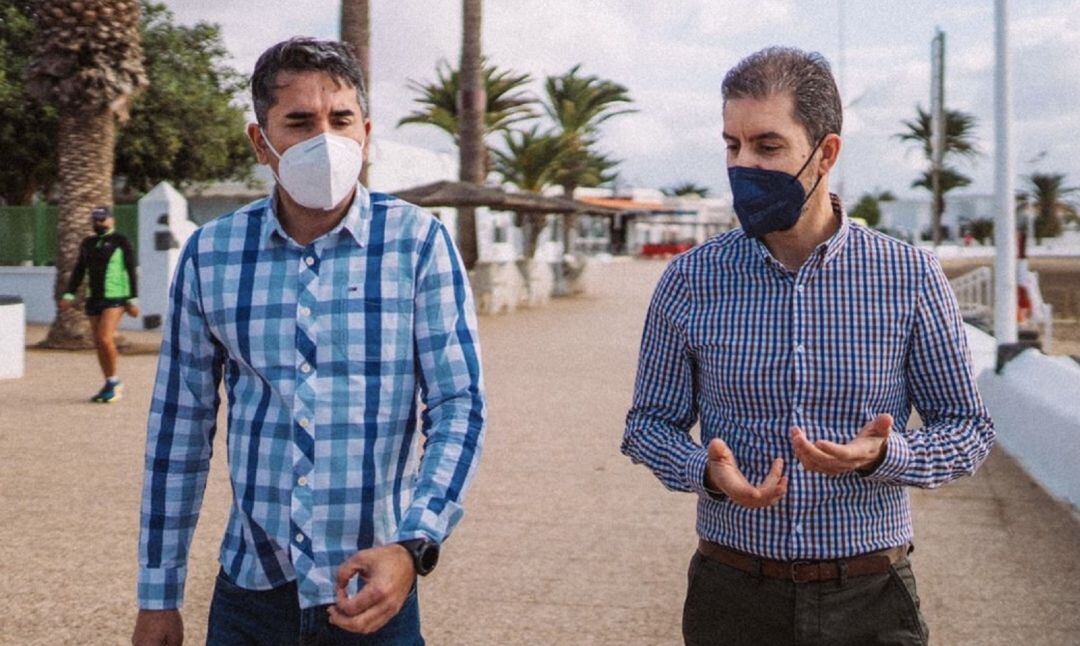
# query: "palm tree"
{"points": [[471, 101], [356, 31], [506, 103], [88, 63], [959, 142], [1046, 194], [530, 161], [579, 104], [686, 188]]}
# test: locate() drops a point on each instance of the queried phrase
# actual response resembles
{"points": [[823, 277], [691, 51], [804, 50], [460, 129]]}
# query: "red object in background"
{"points": [[1023, 304], [670, 249]]}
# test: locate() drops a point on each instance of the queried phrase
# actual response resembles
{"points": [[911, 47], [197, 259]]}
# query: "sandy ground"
{"points": [[563, 542]]}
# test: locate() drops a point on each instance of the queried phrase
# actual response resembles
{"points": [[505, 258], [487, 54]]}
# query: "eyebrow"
{"points": [[308, 115], [758, 137]]}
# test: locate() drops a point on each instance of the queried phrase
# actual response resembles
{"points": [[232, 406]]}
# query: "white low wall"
{"points": [[12, 338], [1035, 405]]}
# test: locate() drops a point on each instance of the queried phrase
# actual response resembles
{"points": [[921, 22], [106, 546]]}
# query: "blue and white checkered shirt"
{"points": [[324, 350], [868, 325]]}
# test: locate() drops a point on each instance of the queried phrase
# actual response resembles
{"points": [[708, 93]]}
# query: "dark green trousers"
{"points": [[727, 606]]}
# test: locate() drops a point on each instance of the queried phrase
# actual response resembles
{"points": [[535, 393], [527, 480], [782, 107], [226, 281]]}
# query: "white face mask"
{"points": [[320, 172]]}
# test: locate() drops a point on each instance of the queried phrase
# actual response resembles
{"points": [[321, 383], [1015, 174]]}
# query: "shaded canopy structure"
{"points": [[455, 194]]}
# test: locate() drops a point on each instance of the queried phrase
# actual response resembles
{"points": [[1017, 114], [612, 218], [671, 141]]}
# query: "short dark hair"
{"points": [[776, 70], [305, 55]]}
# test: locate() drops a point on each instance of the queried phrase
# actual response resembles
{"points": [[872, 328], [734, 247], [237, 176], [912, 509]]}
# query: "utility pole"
{"points": [[1005, 223], [937, 129]]}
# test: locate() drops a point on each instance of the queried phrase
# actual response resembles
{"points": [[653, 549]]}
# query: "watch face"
{"points": [[428, 557]]}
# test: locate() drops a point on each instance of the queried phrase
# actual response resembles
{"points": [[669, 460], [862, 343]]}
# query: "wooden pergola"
{"points": [[455, 194]]}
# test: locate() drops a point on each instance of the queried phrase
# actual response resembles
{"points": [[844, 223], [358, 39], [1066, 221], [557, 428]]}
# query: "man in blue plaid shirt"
{"points": [[800, 343], [329, 312]]}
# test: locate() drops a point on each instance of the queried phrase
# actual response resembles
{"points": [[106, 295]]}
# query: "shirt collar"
{"points": [[355, 223], [825, 252]]}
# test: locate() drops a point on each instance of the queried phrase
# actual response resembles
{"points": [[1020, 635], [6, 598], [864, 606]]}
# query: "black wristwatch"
{"points": [[425, 554]]}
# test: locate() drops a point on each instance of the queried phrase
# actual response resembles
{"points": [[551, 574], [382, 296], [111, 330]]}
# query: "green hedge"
{"points": [[28, 233]]}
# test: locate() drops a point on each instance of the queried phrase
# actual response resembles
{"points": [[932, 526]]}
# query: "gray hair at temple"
{"points": [[305, 55], [807, 76]]}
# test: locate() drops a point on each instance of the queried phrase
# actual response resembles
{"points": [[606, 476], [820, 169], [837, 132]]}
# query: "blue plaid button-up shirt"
{"points": [[324, 350], [867, 325]]}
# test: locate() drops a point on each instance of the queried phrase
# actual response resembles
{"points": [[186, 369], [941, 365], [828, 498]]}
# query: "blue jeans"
{"points": [[239, 616]]}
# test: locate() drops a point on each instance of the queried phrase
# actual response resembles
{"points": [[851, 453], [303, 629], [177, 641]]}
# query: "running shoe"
{"points": [[109, 393]]}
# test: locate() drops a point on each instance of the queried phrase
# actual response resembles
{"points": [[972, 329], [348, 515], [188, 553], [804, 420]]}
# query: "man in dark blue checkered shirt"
{"points": [[800, 343]]}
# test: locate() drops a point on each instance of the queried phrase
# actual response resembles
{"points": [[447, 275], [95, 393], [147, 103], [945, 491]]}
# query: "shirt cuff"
{"points": [[897, 458], [695, 475], [161, 588]]}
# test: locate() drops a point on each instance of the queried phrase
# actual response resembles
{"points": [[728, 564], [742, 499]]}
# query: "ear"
{"points": [[830, 152], [367, 138], [258, 144]]}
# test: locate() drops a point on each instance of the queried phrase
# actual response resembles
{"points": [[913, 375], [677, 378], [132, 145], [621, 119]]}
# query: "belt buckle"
{"points": [[795, 571]]}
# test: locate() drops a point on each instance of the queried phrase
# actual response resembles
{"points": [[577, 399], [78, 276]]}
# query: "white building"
{"points": [[912, 215]]}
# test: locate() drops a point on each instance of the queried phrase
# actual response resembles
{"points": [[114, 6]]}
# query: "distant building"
{"points": [[393, 166], [912, 216]]}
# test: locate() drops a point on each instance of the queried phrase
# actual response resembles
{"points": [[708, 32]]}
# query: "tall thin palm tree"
{"points": [[471, 101], [88, 63], [959, 143], [506, 101], [356, 30], [529, 160], [579, 104], [1047, 195]]}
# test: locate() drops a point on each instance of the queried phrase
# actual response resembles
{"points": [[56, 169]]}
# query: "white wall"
{"points": [[35, 286], [1036, 412]]}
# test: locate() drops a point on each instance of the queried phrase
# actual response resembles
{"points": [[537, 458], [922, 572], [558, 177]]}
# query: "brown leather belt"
{"points": [[805, 571]]}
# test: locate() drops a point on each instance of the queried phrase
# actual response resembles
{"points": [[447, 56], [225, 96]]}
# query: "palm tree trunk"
{"points": [[85, 145], [356, 30], [471, 105]]}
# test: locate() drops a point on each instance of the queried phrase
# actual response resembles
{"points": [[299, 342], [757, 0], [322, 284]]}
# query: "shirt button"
{"points": [[798, 528], [302, 481], [799, 288], [799, 349], [798, 409], [305, 311], [305, 368], [304, 422], [299, 538], [309, 261]]}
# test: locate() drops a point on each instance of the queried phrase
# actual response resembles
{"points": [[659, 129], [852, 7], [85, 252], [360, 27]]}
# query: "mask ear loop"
{"points": [[805, 164], [276, 154]]}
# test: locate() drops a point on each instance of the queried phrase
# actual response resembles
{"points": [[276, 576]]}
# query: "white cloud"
{"points": [[672, 56]]}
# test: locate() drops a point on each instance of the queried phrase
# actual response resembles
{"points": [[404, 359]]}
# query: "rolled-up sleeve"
{"points": [[958, 433], [664, 408]]}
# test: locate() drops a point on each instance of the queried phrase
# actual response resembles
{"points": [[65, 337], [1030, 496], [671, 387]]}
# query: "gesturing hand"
{"points": [[864, 452], [722, 474], [388, 575]]}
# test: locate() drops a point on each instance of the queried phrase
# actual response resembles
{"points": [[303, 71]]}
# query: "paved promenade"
{"points": [[563, 542]]}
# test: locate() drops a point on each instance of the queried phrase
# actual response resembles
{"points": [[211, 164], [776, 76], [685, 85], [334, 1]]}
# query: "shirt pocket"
{"points": [[369, 331]]}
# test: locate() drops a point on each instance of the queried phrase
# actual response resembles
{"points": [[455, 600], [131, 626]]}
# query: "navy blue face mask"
{"points": [[768, 200]]}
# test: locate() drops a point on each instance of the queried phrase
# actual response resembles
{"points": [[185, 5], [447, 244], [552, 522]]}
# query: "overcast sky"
{"points": [[673, 55]]}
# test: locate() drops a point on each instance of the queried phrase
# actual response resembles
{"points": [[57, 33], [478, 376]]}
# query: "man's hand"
{"points": [[723, 474], [132, 310], [158, 628], [388, 575], [864, 453]]}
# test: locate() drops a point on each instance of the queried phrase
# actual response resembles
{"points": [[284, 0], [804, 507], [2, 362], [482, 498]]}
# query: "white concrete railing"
{"points": [[975, 296], [975, 293], [1036, 412]]}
